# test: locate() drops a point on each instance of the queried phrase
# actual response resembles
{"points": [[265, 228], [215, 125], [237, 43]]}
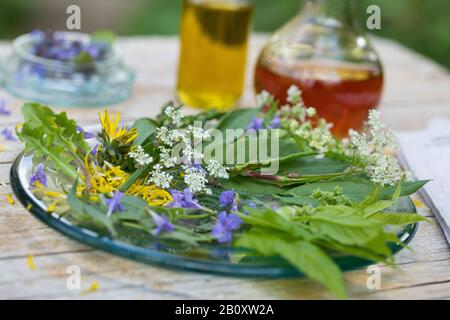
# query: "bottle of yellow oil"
{"points": [[214, 36]]}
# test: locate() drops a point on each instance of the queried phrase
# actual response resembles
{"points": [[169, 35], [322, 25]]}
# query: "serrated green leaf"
{"points": [[305, 256], [397, 219], [343, 224]]}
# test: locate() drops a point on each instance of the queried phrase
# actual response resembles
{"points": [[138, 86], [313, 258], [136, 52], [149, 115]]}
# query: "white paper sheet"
{"points": [[427, 154]]}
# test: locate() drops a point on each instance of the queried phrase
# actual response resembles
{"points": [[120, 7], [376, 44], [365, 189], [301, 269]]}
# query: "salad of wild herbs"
{"points": [[271, 179]]}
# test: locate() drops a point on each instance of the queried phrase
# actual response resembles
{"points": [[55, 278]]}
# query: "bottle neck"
{"points": [[339, 12]]}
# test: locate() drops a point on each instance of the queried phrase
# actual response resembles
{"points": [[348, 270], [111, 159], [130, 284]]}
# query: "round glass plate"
{"points": [[215, 259]]}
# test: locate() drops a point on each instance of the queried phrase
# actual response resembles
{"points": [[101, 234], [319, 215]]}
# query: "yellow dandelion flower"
{"points": [[29, 206], [109, 178], [30, 263], [151, 194], [111, 128]]}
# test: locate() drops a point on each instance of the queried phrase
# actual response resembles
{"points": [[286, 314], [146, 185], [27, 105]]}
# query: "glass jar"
{"points": [[64, 83], [214, 36], [322, 52]]}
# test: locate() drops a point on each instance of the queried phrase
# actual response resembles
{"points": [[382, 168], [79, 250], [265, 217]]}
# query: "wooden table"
{"points": [[416, 90]]}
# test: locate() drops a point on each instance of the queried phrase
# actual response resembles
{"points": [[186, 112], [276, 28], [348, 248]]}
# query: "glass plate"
{"points": [[216, 259]]}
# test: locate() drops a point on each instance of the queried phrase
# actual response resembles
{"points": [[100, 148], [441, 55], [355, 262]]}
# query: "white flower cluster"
{"points": [[195, 179], [377, 146], [174, 114], [160, 178], [189, 142], [216, 170], [296, 118], [140, 156], [264, 98]]}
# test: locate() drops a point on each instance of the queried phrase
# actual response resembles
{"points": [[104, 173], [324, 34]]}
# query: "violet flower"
{"points": [[183, 199], [162, 224], [275, 123], [39, 176], [256, 124], [224, 227], [8, 134], [226, 198], [94, 150], [251, 204], [3, 110], [114, 204], [87, 135]]}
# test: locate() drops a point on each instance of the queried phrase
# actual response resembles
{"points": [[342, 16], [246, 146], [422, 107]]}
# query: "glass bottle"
{"points": [[323, 53], [213, 37]]}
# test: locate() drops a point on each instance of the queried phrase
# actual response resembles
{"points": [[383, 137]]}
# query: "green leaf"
{"points": [[89, 215], [355, 188], [145, 127], [53, 136], [398, 219], [250, 185], [310, 165], [237, 119], [135, 176], [303, 255], [271, 219], [343, 224]]}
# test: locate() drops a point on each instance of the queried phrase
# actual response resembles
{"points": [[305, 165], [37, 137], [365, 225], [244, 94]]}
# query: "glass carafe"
{"points": [[323, 52], [213, 39]]}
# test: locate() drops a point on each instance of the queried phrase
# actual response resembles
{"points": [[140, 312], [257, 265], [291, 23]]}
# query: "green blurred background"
{"points": [[423, 25]]}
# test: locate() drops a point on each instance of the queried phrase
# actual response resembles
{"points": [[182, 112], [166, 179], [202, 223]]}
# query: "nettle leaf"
{"points": [[145, 127], [344, 225], [271, 219], [398, 219], [305, 256]]}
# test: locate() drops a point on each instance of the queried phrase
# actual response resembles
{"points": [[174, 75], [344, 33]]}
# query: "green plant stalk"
{"points": [[282, 181], [132, 179]]}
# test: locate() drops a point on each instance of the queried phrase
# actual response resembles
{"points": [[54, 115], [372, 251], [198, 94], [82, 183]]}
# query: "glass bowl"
{"points": [[65, 83]]}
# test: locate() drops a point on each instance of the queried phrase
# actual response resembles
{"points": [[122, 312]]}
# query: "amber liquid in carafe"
{"points": [[342, 93], [213, 53]]}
